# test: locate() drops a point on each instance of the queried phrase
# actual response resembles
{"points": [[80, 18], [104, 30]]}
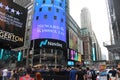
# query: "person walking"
{"points": [[113, 74], [80, 75], [27, 76], [98, 76], [38, 76], [89, 74], [72, 75], [4, 74], [0, 74]]}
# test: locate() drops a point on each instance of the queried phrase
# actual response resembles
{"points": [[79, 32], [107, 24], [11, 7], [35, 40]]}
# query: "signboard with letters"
{"points": [[12, 23]]}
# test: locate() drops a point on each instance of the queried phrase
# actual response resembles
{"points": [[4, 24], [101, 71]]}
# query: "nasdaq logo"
{"points": [[50, 43], [43, 43]]}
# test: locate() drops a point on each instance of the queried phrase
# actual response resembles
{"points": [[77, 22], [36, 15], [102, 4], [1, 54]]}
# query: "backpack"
{"points": [[93, 74], [89, 75]]}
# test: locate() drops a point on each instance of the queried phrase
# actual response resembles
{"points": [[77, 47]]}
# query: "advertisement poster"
{"points": [[12, 23]]}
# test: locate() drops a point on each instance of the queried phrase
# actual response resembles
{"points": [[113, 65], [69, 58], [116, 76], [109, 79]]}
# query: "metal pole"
{"points": [[40, 56], [32, 52], [55, 58], [27, 58]]}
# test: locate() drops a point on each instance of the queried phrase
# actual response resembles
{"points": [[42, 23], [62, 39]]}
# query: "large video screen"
{"points": [[74, 55], [12, 23], [49, 20], [73, 40]]}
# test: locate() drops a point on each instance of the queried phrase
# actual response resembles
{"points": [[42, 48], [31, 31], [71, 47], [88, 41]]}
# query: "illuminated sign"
{"points": [[73, 40], [12, 23], [74, 55], [10, 36], [7, 55], [49, 20], [50, 43], [70, 63]]}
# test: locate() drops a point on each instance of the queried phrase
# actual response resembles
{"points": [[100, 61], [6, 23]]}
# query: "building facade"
{"points": [[86, 32], [46, 47], [114, 20]]}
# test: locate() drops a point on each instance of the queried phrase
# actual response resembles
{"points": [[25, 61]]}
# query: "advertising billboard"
{"points": [[73, 40], [74, 55], [12, 23], [49, 20]]}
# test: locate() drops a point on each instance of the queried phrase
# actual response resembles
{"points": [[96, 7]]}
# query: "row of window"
{"points": [[46, 16], [49, 9], [52, 2]]}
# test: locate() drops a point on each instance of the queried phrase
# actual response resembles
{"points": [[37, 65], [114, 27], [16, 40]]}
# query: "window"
{"points": [[62, 0], [40, 9], [49, 8], [57, 10], [37, 17], [43, 1], [60, 4], [61, 20], [55, 17], [45, 16], [36, 3], [63, 13], [52, 1]]}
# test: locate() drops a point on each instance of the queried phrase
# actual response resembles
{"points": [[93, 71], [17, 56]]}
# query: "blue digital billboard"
{"points": [[49, 20]]}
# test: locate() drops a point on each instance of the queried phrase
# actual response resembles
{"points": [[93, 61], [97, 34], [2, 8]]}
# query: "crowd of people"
{"points": [[19, 74], [69, 73]]}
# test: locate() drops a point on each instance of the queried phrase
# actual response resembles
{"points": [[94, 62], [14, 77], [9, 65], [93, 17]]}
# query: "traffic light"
{"points": [[19, 56]]}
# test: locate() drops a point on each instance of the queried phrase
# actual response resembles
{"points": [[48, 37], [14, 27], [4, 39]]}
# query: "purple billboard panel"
{"points": [[49, 20], [73, 55]]}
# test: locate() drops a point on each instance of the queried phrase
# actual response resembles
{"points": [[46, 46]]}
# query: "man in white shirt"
{"points": [[4, 71]]}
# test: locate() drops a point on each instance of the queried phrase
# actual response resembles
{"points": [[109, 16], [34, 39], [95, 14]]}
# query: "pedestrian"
{"points": [[89, 74], [72, 75], [38, 76], [15, 75], [113, 74], [9, 73], [80, 75], [118, 72], [98, 76], [93, 74], [4, 74], [27, 76], [0, 74]]}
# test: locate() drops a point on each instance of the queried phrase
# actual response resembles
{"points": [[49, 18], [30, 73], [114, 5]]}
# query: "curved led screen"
{"points": [[49, 20]]}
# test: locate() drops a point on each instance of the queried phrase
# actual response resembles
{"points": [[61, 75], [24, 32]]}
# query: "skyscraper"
{"points": [[86, 19], [87, 40]]}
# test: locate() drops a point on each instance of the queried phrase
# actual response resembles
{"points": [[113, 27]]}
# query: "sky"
{"points": [[99, 19]]}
